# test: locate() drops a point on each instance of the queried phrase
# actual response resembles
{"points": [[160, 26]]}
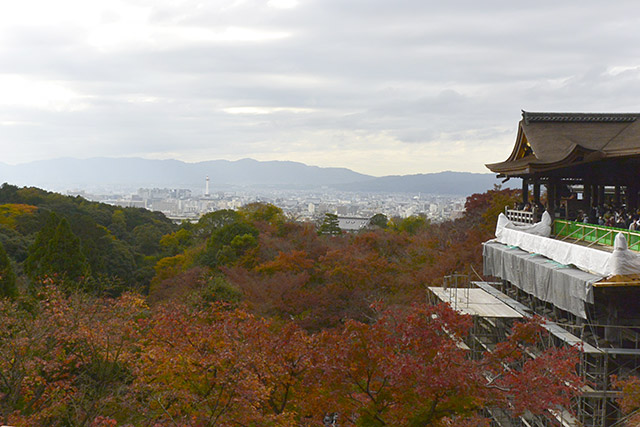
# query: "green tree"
{"points": [[38, 250], [218, 289], [15, 244], [379, 220], [229, 243], [64, 254], [57, 252], [176, 242], [147, 237], [413, 223], [120, 262], [213, 221], [329, 225], [7, 276], [118, 224], [263, 212]]}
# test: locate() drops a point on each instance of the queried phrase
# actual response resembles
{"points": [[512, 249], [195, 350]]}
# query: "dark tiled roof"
{"points": [[560, 140], [530, 117]]}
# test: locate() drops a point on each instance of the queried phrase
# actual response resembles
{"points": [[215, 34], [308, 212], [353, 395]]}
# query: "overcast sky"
{"points": [[378, 86]]}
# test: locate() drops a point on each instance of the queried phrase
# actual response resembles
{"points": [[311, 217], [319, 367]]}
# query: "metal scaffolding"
{"points": [[495, 306]]}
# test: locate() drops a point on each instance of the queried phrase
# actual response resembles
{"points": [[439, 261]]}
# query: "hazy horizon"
{"points": [[234, 161], [132, 173]]}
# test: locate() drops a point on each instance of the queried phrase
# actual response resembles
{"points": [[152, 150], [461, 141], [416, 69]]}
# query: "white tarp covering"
{"points": [[622, 260], [588, 259], [541, 266], [532, 239], [542, 228], [565, 287]]}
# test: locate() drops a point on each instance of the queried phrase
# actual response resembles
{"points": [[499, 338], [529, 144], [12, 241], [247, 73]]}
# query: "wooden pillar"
{"points": [[598, 199], [525, 191], [600, 195], [552, 190], [632, 197], [586, 195], [536, 200]]}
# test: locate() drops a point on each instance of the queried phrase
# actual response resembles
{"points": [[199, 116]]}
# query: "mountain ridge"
{"points": [[446, 182], [136, 172]]}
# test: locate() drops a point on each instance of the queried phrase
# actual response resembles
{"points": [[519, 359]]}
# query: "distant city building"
{"points": [[350, 224], [307, 205]]}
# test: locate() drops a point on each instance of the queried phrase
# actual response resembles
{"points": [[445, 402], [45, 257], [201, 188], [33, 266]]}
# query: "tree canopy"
{"points": [[253, 320], [329, 225], [8, 286], [108, 243], [117, 362]]}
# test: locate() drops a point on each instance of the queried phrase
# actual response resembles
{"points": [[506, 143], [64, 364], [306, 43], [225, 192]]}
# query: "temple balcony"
{"points": [[599, 236], [583, 278]]}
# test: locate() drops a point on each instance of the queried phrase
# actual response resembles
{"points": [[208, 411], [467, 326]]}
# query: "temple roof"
{"points": [[548, 141]]}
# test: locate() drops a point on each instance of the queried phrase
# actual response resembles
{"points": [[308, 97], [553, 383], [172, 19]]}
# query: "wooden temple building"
{"points": [[583, 160], [568, 162]]}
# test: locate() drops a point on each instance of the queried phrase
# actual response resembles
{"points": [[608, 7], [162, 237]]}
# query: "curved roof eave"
{"points": [[531, 164]]}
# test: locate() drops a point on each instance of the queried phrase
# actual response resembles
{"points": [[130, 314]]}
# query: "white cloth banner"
{"points": [[568, 288], [622, 261], [542, 228]]}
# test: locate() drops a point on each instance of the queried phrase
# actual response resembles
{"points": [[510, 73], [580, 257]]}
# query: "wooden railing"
{"points": [[520, 217], [595, 234]]}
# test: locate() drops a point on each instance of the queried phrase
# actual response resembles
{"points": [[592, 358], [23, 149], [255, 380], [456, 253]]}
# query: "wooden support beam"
{"points": [[632, 196], [600, 195], [586, 194], [525, 191], [552, 192]]}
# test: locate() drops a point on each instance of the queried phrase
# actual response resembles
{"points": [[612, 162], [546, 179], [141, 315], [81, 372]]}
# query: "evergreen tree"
{"points": [[330, 225], [64, 255], [379, 220], [118, 224], [37, 251], [56, 252], [7, 276]]}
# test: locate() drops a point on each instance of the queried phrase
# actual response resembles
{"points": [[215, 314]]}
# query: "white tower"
{"points": [[206, 188]]}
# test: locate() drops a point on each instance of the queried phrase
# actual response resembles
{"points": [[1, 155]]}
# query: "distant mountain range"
{"points": [[132, 173]]}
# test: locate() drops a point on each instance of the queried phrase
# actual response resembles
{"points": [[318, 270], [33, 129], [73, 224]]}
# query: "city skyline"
{"points": [[303, 205], [378, 87]]}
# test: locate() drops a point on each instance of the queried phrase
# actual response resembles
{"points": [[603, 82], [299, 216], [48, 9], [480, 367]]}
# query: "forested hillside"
{"points": [[289, 270], [85, 244], [249, 319]]}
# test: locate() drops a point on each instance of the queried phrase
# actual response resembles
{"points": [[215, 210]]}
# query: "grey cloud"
{"points": [[418, 71]]}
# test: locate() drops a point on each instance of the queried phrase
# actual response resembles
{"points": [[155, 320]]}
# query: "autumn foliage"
{"points": [[254, 320], [629, 399], [75, 360]]}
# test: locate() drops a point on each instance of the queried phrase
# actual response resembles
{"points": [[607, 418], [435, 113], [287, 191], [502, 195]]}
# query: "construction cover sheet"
{"points": [[564, 286]]}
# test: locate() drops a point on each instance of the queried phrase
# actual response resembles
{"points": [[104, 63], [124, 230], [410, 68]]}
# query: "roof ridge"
{"points": [[532, 117]]}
